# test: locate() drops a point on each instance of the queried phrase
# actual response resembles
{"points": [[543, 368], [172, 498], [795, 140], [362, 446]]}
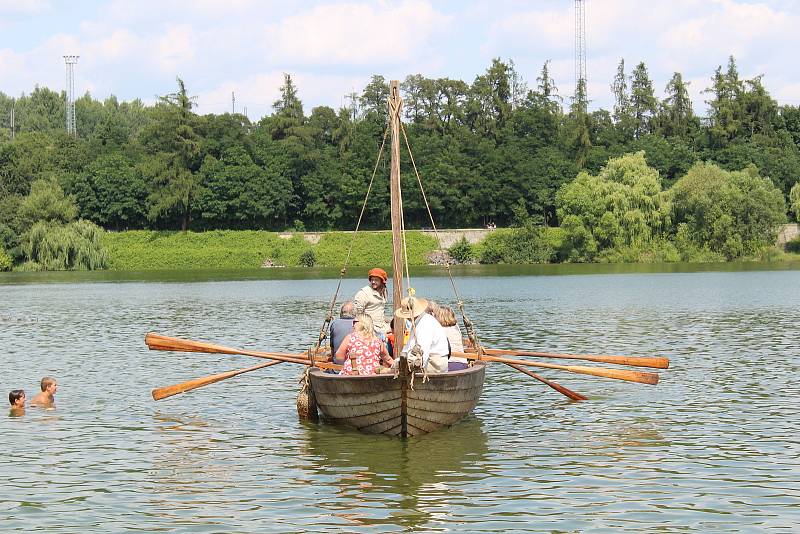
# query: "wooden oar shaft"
{"points": [[634, 361], [158, 342], [183, 387], [558, 387], [641, 377]]}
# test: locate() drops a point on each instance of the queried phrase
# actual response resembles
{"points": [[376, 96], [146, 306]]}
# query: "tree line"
{"points": [[494, 150]]}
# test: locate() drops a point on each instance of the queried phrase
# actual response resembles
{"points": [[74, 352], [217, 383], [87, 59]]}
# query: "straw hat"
{"points": [[407, 312]]}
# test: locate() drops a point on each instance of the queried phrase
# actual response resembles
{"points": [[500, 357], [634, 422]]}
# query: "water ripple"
{"points": [[713, 448]]}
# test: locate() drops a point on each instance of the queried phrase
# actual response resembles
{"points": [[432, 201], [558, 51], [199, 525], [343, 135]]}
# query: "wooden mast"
{"points": [[397, 249]]}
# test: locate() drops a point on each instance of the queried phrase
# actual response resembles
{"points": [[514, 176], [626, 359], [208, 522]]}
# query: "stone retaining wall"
{"points": [[448, 237], [787, 233]]}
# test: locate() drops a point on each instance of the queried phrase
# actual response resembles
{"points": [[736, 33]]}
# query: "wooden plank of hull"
{"points": [[440, 407], [357, 399], [372, 403], [432, 395]]}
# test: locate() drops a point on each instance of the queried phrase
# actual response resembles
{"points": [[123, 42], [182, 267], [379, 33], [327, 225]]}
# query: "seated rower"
{"points": [[46, 398], [17, 400], [341, 327], [362, 350], [446, 318], [425, 332]]}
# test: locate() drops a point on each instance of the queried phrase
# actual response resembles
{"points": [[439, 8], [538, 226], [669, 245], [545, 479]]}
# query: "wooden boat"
{"points": [[381, 404], [409, 404]]}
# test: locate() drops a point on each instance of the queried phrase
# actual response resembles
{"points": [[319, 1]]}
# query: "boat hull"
{"points": [[374, 404]]}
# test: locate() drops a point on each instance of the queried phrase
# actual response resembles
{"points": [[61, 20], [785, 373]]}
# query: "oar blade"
{"points": [[574, 395], [189, 385]]}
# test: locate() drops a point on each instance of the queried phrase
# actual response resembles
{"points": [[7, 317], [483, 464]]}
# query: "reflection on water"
{"points": [[423, 476], [713, 448]]}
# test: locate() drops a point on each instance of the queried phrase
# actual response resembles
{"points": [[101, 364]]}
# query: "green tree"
{"points": [[579, 126], [676, 115], [237, 193], [5, 260], [489, 104], [288, 110], [732, 213], [112, 193], [622, 206], [175, 149], [49, 246], [46, 202], [794, 201], [643, 102], [623, 117], [374, 99], [724, 107]]}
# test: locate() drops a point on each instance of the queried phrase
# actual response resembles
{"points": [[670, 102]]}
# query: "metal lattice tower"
{"points": [[70, 62], [580, 43]]}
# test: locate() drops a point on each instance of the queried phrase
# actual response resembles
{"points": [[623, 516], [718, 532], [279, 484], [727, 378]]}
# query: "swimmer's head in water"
{"points": [[49, 384], [17, 398]]}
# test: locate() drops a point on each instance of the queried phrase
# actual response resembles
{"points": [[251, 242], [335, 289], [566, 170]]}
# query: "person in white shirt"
{"points": [[426, 332], [447, 318]]}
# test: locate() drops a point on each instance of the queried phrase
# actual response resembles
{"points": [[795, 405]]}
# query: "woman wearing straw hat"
{"points": [[426, 332], [371, 299]]}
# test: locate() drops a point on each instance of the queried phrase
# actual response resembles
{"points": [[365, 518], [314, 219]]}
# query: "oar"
{"points": [[641, 377], [635, 361], [158, 342], [183, 387], [558, 387]]}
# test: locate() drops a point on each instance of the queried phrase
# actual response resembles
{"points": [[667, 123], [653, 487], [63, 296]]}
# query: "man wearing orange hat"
{"points": [[371, 299]]}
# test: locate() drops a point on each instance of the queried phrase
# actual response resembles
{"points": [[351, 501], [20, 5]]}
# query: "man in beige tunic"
{"points": [[371, 299]]}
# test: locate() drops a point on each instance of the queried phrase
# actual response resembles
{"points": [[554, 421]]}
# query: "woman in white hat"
{"points": [[425, 332]]}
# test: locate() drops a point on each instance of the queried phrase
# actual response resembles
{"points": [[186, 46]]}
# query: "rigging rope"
{"points": [[343, 271], [473, 336]]}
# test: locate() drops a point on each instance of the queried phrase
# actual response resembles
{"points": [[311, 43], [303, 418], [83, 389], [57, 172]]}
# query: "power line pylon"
{"points": [[70, 62], [580, 43]]}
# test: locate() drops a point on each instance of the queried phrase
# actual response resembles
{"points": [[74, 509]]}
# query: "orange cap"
{"points": [[380, 273]]}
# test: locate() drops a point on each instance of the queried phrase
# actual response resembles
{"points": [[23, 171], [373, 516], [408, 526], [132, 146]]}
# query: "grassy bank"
{"points": [[244, 249], [249, 249]]}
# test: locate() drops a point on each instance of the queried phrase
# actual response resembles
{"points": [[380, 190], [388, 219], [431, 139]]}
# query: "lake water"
{"points": [[713, 448]]}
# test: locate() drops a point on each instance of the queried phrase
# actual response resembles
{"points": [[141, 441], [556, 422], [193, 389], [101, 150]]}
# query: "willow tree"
{"points": [[794, 200], [51, 239], [623, 206]]}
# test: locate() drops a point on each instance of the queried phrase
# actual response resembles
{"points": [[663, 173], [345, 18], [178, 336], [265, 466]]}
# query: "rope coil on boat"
{"points": [[306, 402]]}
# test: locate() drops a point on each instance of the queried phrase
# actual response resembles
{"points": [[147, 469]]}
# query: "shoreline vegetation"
{"points": [[161, 187], [143, 250]]}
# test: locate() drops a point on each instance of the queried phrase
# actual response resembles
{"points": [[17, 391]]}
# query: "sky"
{"points": [[135, 49]]}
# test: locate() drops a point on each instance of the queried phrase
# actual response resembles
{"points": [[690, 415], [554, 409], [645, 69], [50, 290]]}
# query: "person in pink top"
{"points": [[363, 351]]}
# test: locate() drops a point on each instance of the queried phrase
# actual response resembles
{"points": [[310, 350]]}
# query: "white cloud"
{"points": [[175, 48], [355, 33], [23, 7]]}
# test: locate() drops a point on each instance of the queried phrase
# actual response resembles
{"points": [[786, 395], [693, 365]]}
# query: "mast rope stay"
{"points": [[329, 317], [470, 327]]}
